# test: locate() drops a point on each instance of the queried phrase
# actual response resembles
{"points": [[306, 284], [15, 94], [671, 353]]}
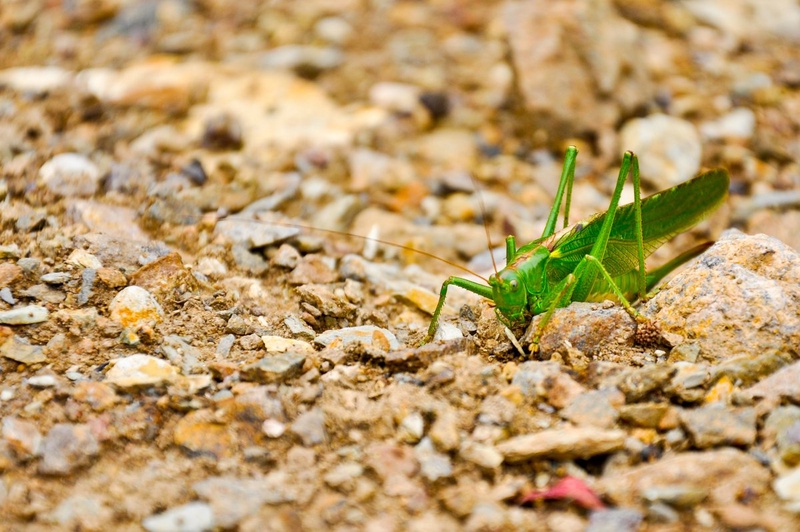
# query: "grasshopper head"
{"points": [[509, 294]]}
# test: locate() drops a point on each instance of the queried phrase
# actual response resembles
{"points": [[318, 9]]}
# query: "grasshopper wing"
{"points": [[664, 215]]}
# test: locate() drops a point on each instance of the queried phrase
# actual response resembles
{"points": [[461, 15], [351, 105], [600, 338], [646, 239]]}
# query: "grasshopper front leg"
{"points": [[466, 284]]}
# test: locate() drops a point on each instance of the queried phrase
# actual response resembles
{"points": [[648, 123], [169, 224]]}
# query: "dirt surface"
{"points": [[176, 353]]}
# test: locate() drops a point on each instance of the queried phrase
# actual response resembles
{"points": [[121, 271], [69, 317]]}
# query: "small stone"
{"points": [[313, 269], [647, 415], [368, 335], [286, 257], [310, 427], [485, 456], [433, 464], [615, 520], [787, 486], [70, 174], [444, 431], [676, 495], [98, 395], [9, 274], [713, 425], [546, 380], [298, 328], [253, 233], [200, 434], [237, 325], [24, 315], [84, 259], [164, 276], [279, 344], [67, 447], [562, 444], [56, 278], [42, 381], [273, 428], [23, 437], [134, 308], [9, 251], [190, 517], [740, 124], [596, 407], [140, 370], [233, 499], [343, 475], [18, 349], [275, 368], [668, 147], [411, 428], [225, 345], [44, 293]]}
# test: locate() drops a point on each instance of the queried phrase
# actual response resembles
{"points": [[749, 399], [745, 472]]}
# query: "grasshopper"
{"points": [[597, 258]]}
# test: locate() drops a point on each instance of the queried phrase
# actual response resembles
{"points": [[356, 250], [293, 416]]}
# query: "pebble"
{"points": [[140, 370], [275, 368], [787, 486], [24, 315], [278, 344], [395, 97], [781, 384], [44, 293], [84, 259], [411, 428], [273, 428], [9, 251], [199, 433], [9, 274], [22, 437], [36, 80], [738, 124], [595, 407], [562, 444], [714, 425], [669, 148], [676, 495], [67, 447], [296, 56], [56, 278], [615, 520], [225, 345], [546, 380], [70, 174], [253, 233], [647, 415], [286, 257], [444, 430], [299, 328], [190, 517], [343, 475], [134, 308], [310, 427], [18, 349], [98, 395], [484, 456], [433, 464], [233, 499], [783, 424], [368, 335], [42, 381]]}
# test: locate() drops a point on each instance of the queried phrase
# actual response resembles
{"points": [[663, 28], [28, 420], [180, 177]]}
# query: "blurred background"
{"points": [[357, 113]]}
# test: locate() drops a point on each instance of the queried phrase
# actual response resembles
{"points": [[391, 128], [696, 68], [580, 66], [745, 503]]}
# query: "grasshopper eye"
{"points": [[514, 284]]}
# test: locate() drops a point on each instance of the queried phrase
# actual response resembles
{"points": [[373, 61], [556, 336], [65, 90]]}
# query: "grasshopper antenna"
{"points": [[365, 238], [482, 206]]}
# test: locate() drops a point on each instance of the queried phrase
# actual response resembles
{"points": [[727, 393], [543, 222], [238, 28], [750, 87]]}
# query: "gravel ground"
{"points": [[179, 350]]}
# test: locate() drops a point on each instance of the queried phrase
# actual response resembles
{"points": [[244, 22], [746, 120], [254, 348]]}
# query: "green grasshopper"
{"points": [[598, 258]]}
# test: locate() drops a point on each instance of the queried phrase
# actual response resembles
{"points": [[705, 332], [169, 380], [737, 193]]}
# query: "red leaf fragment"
{"points": [[567, 488]]}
